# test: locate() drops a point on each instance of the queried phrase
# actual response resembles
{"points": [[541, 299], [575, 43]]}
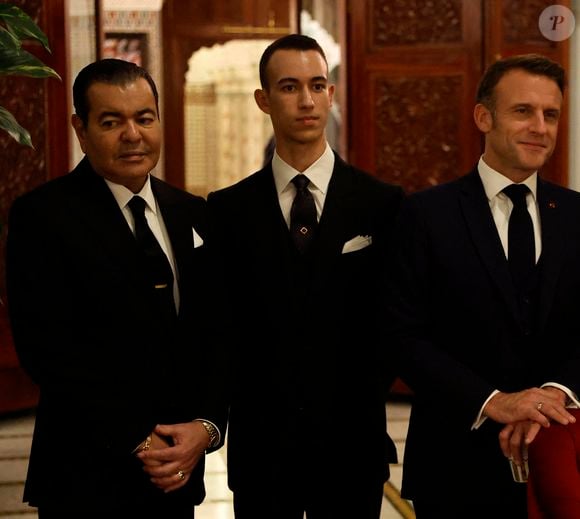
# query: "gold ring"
{"points": [[539, 406], [181, 475]]}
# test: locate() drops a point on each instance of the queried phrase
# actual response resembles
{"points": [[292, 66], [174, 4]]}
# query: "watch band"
{"points": [[212, 432]]}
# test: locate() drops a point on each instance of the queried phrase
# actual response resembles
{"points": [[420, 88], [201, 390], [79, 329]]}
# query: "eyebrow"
{"points": [[295, 80], [531, 105], [139, 113]]}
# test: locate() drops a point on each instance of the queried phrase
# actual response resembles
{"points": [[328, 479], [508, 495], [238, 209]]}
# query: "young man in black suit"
{"points": [[115, 331], [307, 416], [485, 304]]}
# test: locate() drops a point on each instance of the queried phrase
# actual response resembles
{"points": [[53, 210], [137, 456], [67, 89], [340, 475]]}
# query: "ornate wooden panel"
{"points": [[417, 129], [404, 22], [412, 73]]}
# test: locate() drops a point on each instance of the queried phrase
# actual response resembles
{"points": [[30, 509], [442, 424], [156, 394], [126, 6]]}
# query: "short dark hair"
{"points": [[288, 42], [535, 64], [111, 71]]}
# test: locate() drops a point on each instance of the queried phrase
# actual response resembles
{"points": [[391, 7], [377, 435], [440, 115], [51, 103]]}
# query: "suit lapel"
{"points": [[553, 241], [336, 219], [97, 206], [477, 213], [265, 229], [336, 212], [179, 230]]}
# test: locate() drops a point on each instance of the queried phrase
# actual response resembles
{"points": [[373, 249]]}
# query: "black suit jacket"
{"points": [[460, 335], [86, 329], [306, 383]]}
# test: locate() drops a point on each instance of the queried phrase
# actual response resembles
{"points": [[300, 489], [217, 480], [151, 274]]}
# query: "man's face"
{"points": [[298, 98], [520, 134], [122, 138]]}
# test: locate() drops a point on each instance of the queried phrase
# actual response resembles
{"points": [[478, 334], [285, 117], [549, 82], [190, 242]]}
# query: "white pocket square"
{"points": [[197, 239], [357, 243]]}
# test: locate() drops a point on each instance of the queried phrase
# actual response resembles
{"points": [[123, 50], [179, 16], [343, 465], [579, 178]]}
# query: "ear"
{"points": [[483, 118], [80, 131], [330, 93], [262, 100]]}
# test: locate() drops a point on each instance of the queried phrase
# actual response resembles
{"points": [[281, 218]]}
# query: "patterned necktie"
{"points": [[302, 214], [521, 244], [157, 264]]}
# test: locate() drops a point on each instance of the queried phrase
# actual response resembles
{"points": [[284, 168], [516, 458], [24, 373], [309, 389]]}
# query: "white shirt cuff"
{"points": [[480, 418], [572, 398]]}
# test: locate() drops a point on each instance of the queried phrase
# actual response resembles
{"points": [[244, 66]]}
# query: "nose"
{"points": [[131, 131], [539, 123], [305, 99]]}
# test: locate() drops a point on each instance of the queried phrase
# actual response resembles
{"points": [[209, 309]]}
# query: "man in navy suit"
{"points": [[307, 428], [122, 359], [489, 354]]}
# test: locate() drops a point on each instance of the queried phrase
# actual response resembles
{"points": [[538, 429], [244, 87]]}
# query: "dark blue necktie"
{"points": [[521, 244], [302, 214]]}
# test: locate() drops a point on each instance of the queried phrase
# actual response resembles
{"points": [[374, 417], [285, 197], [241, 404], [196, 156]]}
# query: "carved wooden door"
{"points": [[412, 78]]}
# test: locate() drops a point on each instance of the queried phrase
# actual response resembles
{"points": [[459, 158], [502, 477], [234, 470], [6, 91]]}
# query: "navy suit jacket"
{"points": [[306, 375], [86, 329], [455, 317]]}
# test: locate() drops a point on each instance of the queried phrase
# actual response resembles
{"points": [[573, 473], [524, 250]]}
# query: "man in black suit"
{"points": [[487, 351], [307, 429], [116, 335]]}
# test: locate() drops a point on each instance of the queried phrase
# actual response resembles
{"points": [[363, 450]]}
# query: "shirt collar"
{"points": [[123, 195], [318, 173], [494, 182]]}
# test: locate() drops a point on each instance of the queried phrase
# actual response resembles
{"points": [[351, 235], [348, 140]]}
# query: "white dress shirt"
{"points": [[318, 173], [154, 220], [501, 205]]}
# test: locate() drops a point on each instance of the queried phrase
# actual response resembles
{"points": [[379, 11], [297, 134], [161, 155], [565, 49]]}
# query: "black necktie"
{"points": [[521, 245], [157, 264], [302, 214]]}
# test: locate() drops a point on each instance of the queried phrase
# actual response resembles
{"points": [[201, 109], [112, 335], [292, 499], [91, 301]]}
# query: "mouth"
{"points": [[308, 120], [534, 145], [132, 155]]}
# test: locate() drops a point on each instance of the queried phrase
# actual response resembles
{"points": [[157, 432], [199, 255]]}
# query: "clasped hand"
{"points": [[170, 465], [524, 413]]}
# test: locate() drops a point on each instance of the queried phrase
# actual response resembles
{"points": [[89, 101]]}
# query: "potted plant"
{"points": [[16, 26]]}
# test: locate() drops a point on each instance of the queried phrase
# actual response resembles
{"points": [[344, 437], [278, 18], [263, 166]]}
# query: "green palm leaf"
{"points": [[16, 26], [17, 132], [19, 24], [22, 63]]}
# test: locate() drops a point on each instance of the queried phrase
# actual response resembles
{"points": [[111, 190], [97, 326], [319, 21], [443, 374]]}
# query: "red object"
{"points": [[554, 479]]}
